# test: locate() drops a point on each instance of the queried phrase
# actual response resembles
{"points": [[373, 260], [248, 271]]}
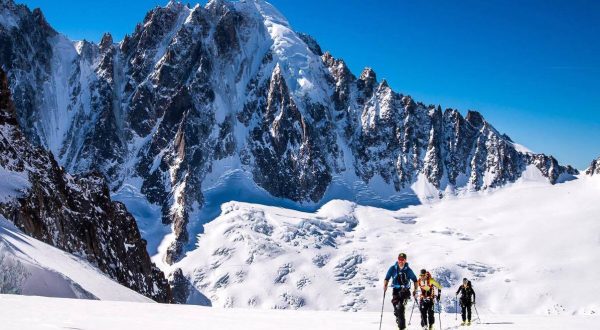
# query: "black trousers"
{"points": [[465, 306], [427, 314], [399, 299]]}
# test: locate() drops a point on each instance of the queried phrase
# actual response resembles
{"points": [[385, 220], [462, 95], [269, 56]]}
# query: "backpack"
{"points": [[401, 277], [426, 286], [467, 292]]}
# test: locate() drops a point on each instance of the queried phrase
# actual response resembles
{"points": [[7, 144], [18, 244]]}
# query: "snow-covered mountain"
{"points": [[73, 213], [229, 98]]}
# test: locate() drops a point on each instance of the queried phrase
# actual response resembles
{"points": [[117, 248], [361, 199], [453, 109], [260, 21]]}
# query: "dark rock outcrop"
{"points": [[74, 213], [594, 168]]}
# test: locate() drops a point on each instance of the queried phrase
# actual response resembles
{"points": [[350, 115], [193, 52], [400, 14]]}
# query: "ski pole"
{"points": [[440, 313], [411, 311], [382, 303], [479, 318], [456, 308]]}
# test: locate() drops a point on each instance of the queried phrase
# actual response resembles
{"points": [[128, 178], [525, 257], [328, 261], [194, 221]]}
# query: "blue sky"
{"points": [[532, 67]]}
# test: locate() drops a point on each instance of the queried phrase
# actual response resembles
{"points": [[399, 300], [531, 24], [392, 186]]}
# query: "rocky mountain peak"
{"points": [[384, 84], [594, 168], [194, 95], [106, 41], [40, 19], [475, 119], [368, 76]]}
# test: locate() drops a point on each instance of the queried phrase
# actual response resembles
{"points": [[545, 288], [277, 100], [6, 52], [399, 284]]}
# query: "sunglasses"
{"points": [[401, 259]]}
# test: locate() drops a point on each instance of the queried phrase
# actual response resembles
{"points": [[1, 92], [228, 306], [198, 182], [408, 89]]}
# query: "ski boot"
{"points": [[468, 322], [463, 323]]}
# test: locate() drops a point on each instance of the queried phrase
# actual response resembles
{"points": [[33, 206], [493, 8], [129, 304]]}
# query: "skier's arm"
{"points": [[387, 279], [436, 284], [473, 291], [413, 277]]}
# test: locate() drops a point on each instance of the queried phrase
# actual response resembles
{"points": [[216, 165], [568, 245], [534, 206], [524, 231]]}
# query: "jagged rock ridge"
{"points": [[594, 168], [194, 92], [73, 213]]}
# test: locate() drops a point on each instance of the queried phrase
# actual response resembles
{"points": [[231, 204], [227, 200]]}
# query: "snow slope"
{"points": [[24, 313], [31, 267], [524, 247]]}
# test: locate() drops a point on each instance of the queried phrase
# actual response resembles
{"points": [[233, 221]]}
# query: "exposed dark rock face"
{"points": [[285, 147], [74, 213], [311, 43], [594, 168], [180, 285], [193, 88], [400, 139]]}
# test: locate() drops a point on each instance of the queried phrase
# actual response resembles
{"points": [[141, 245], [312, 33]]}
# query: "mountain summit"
{"points": [[228, 95]]}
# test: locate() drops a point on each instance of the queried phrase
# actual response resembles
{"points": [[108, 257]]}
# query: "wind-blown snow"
{"points": [[13, 184], [521, 246], [24, 313], [36, 268], [521, 148]]}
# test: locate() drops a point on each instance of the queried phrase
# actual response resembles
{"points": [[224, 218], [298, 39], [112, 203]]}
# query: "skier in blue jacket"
{"points": [[401, 275]]}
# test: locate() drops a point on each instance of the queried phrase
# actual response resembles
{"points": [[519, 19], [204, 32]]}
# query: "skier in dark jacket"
{"points": [[401, 275], [466, 291]]}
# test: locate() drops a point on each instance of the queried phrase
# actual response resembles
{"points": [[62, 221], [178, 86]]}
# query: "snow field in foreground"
{"points": [[24, 313]]}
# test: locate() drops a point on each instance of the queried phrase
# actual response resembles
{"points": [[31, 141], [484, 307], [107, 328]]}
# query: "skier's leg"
{"points": [[401, 318], [397, 302], [423, 310], [403, 295], [469, 312], [463, 311], [431, 314]]}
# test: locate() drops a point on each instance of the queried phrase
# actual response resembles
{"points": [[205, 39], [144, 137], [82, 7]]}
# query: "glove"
{"points": [[438, 298]]}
